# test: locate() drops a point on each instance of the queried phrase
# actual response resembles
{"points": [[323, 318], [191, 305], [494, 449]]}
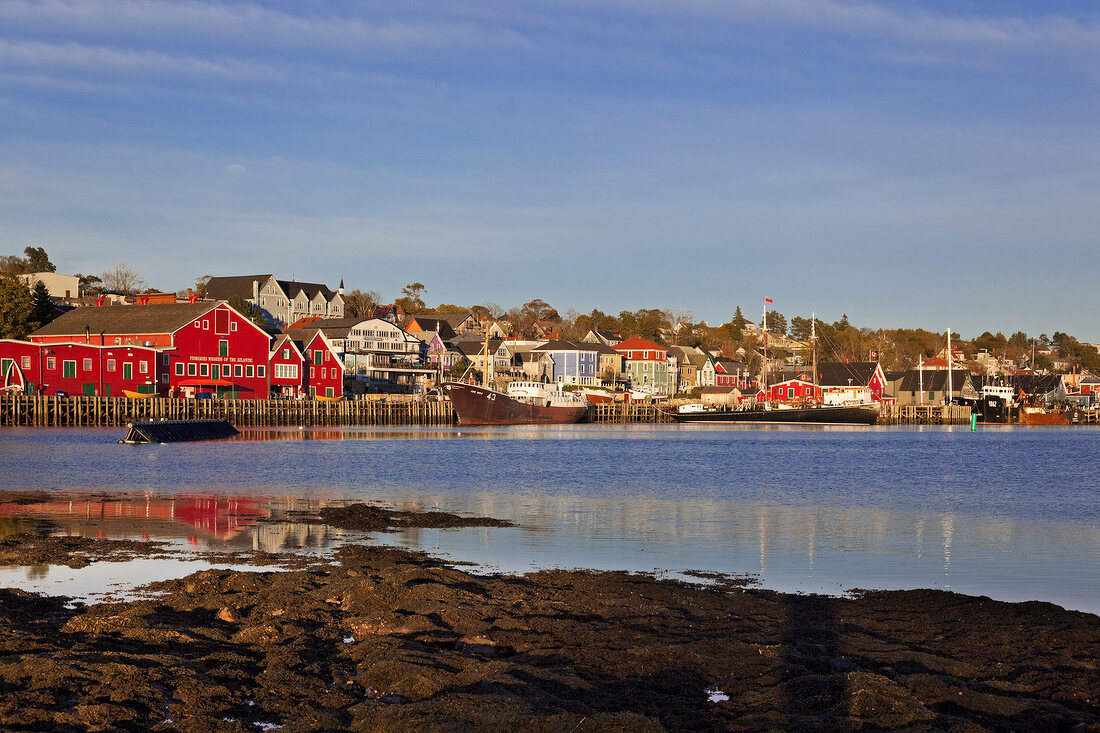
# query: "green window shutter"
{"points": [[70, 369], [127, 371], [223, 347]]}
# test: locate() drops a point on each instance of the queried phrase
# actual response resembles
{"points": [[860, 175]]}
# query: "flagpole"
{"points": [[767, 395]]}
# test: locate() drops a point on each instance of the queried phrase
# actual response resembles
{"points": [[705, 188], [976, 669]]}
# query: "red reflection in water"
{"points": [[219, 517]]}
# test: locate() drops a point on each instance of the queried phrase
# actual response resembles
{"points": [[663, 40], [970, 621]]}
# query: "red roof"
{"points": [[634, 344], [304, 322], [633, 348]]}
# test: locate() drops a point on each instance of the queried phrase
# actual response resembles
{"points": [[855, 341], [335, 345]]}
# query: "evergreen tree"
{"points": [[15, 308], [739, 320], [42, 307], [38, 260], [245, 308]]}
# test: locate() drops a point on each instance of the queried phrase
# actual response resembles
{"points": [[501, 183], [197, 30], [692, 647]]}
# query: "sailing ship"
{"points": [[766, 413]]}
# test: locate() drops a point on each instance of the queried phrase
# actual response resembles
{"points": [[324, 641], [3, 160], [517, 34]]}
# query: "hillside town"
{"points": [[262, 336]]}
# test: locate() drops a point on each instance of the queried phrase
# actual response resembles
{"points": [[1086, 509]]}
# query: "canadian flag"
{"points": [[767, 300]]}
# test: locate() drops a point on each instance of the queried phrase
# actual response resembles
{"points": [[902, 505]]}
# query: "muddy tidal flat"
{"points": [[371, 638]]}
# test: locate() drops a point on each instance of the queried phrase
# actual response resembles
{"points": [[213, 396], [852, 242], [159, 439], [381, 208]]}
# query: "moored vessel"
{"points": [[524, 403], [771, 414], [766, 412]]}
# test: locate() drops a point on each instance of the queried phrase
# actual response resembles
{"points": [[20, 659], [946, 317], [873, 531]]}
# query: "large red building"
{"points": [[209, 346], [326, 370], [80, 368], [287, 367]]}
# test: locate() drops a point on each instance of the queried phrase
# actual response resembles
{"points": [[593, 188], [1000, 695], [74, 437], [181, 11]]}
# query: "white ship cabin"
{"points": [[1007, 394], [837, 396], [542, 391]]}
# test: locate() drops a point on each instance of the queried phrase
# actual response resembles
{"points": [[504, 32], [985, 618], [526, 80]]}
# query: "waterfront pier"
{"points": [[83, 411]]}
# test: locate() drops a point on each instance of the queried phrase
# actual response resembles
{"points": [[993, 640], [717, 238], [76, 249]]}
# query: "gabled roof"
{"points": [[730, 366], [224, 288], [934, 380], [334, 328], [311, 290], [476, 348], [569, 346], [432, 323], [635, 343], [121, 320], [839, 374], [283, 341], [700, 360]]}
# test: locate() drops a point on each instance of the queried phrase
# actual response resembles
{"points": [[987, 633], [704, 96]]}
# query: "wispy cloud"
{"points": [[100, 58], [258, 25], [872, 20]]}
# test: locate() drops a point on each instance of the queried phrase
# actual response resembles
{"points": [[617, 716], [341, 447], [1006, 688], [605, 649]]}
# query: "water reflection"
{"points": [[809, 510], [814, 548], [203, 522]]}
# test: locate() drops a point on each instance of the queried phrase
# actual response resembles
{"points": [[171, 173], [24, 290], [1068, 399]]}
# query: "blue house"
{"points": [[574, 362]]}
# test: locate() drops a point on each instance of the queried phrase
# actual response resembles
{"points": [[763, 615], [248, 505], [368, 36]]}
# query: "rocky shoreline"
{"points": [[381, 639]]}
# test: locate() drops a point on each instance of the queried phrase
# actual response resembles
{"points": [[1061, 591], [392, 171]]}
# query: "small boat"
{"points": [[1042, 416], [604, 397], [524, 403], [137, 395], [323, 398]]}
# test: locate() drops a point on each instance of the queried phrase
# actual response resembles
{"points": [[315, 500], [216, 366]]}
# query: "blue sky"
{"points": [[911, 164]]}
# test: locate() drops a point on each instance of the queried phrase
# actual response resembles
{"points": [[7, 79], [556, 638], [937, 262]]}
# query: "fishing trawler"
{"points": [[523, 403]]}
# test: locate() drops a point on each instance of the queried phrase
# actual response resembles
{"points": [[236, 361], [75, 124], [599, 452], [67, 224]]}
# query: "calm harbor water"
{"points": [[1011, 512]]}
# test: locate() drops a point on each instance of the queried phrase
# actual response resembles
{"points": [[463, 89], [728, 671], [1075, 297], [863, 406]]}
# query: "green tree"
{"points": [[1042, 363], [800, 328], [459, 369], [42, 307], [15, 308], [201, 283], [777, 323], [444, 309], [89, 284], [412, 299], [245, 308], [38, 260]]}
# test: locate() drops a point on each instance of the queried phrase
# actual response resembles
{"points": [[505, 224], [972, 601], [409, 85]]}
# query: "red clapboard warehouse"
{"points": [[211, 348]]}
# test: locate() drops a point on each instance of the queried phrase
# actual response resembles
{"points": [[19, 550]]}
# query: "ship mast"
{"points": [[485, 372], [950, 390], [767, 397], [813, 349]]}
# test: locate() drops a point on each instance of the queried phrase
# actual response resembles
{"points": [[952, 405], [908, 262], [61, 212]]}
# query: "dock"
{"points": [[82, 411]]}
